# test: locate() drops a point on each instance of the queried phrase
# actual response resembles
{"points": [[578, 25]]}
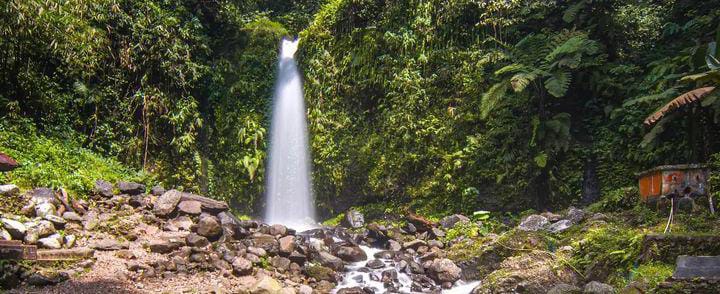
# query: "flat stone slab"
{"points": [[688, 267]]}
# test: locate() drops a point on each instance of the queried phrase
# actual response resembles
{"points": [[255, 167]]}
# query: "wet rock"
{"points": [[321, 273], [286, 245], [209, 226], [103, 188], [44, 209], [595, 287], [353, 219], [157, 191], [242, 266], [350, 253], [533, 223], [565, 289], [15, 228], [266, 285], [166, 203], [196, 240], [575, 215], [444, 270], [375, 264], [394, 245], [72, 216], [298, 258], [560, 226], [108, 245], [351, 290], [53, 241], [450, 220], [131, 188], [329, 260], [9, 190], [190, 207]]}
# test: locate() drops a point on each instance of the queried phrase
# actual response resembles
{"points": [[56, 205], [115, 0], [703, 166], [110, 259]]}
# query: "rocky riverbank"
{"points": [[125, 238]]}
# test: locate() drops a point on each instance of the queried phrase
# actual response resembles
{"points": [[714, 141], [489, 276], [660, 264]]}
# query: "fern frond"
{"points": [[647, 99], [521, 80], [492, 98], [558, 84], [572, 11], [510, 68], [579, 43]]}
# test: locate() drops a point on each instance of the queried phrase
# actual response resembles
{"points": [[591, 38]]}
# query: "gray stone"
{"points": [[56, 220], [108, 245], [689, 267], [190, 207], [278, 230], [5, 235], [375, 264], [279, 262], [329, 260], [286, 245], [196, 240], [157, 190], [46, 279], [350, 253], [444, 270], [166, 245], [394, 245], [565, 289], [450, 220], [209, 226], [354, 219], [596, 287], [414, 244], [70, 241], [72, 216], [53, 241], [575, 215], [43, 209], [560, 226], [166, 203], [533, 223], [103, 188], [242, 266], [257, 251], [15, 228], [131, 188], [9, 190], [182, 222], [38, 230], [266, 285], [305, 289]]}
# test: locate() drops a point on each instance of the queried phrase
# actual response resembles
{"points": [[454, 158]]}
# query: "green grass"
{"points": [[57, 162]]}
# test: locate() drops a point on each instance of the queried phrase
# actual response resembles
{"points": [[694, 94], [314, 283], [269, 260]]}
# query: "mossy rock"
{"points": [[320, 273]]}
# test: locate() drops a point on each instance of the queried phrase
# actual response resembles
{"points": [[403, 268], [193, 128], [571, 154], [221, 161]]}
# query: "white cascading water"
{"points": [[289, 193]]}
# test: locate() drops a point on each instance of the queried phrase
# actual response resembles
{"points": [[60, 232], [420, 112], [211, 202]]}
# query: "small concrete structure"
{"points": [[682, 179], [691, 267]]}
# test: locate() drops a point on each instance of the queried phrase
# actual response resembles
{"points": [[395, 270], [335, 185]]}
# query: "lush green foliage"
{"points": [[58, 162]]}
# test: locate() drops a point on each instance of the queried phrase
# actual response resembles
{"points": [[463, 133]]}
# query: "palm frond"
{"points": [[680, 101], [558, 84]]}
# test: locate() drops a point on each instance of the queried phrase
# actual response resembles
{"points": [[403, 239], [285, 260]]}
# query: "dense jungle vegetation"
{"points": [[436, 106]]}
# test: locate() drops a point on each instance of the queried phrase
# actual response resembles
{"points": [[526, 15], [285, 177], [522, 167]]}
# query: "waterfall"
{"points": [[289, 193]]}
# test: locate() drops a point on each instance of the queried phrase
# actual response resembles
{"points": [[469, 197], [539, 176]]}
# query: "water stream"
{"points": [[289, 194]]}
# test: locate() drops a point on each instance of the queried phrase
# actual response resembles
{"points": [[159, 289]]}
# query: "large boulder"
{"points": [[350, 253], [575, 215], [353, 219], [7, 163], [15, 228], [450, 220], [328, 260], [534, 272], [37, 230], [444, 270], [209, 226], [533, 223], [166, 203], [9, 190], [42, 195], [131, 188], [44, 209], [190, 207], [265, 241], [286, 245], [53, 241], [103, 189]]}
